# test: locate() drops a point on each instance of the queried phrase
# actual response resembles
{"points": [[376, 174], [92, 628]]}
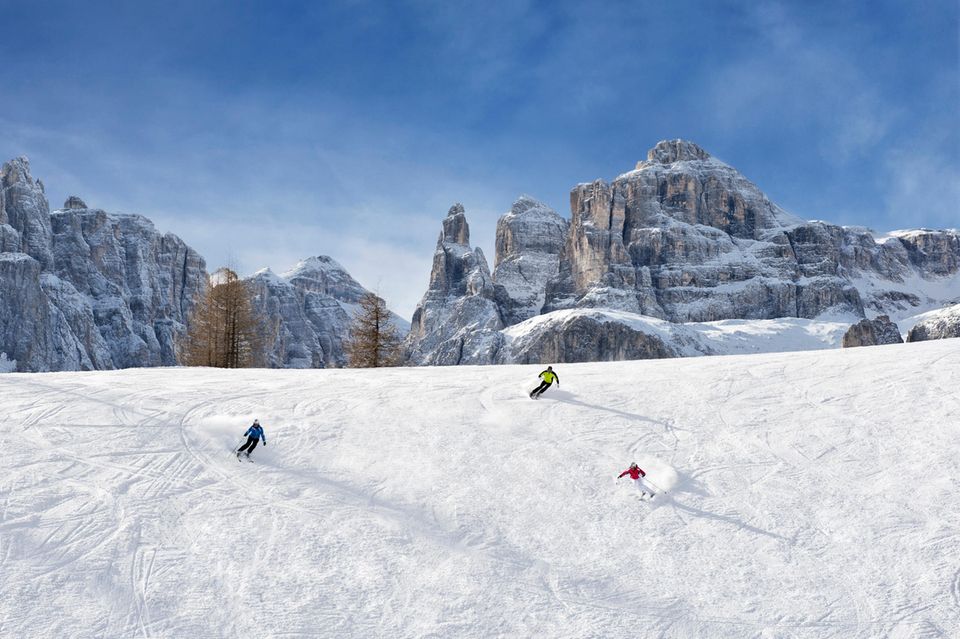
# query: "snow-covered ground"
{"points": [[810, 494]]}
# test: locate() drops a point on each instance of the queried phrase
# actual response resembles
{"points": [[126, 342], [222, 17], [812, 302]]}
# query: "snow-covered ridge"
{"points": [[724, 337], [939, 324], [807, 494], [313, 265]]}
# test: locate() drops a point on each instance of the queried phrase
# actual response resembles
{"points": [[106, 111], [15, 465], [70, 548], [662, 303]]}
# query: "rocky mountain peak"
{"points": [[315, 264], [670, 151], [455, 227], [526, 203], [24, 212], [75, 203]]}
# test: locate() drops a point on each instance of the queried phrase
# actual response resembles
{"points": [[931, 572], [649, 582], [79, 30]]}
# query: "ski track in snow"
{"points": [[807, 495]]}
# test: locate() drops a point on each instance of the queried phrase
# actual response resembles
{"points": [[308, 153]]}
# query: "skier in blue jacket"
{"points": [[254, 434]]}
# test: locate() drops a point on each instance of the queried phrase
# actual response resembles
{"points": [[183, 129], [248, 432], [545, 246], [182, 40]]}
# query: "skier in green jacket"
{"points": [[548, 377]]}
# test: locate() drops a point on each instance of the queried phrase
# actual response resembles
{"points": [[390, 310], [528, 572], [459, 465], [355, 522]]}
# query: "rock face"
{"points": [[873, 332], [308, 312], [529, 240], [81, 289], [938, 325], [458, 319]]}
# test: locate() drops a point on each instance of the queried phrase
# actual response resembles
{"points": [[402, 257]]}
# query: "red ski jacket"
{"points": [[635, 473]]}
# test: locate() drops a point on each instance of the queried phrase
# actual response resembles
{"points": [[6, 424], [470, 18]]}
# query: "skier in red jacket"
{"points": [[637, 474]]}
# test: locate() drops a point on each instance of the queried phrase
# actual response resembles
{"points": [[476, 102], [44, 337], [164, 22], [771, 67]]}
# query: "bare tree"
{"points": [[224, 331], [374, 340]]}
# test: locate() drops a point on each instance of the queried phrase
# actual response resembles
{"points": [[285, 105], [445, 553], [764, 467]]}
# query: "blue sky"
{"points": [[266, 132]]}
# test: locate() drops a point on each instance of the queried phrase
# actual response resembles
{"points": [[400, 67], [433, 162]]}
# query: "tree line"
{"points": [[225, 331]]}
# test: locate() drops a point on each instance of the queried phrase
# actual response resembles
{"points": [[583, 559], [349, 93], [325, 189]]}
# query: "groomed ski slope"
{"points": [[810, 495]]}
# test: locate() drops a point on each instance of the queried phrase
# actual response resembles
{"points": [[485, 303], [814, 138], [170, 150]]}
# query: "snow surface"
{"points": [[812, 494]]}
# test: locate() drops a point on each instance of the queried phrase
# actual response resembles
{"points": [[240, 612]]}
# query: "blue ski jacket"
{"points": [[256, 431]]}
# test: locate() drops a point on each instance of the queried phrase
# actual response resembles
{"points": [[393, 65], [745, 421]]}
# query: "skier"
{"points": [[548, 377], [254, 434], [637, 474]]}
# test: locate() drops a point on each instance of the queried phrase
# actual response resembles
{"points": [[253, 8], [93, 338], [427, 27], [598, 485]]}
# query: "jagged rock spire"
{"points": [[455, 320], [455, 227]]}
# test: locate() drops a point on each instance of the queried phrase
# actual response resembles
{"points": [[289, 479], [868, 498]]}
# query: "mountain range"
{"points": [[681, 256]]}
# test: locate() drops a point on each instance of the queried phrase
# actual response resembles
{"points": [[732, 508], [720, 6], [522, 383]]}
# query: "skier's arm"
{"points": [[622, 474]]}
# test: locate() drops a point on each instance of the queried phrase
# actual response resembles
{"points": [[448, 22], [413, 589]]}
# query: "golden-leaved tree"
{"points": [[224, 331], [374, 340]]}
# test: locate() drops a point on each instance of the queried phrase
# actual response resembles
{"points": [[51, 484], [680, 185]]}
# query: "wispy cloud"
{"points": [[348, 129]]}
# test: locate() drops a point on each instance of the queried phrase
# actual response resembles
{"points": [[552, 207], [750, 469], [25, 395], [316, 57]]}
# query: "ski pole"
{"points": [[654, 485]]}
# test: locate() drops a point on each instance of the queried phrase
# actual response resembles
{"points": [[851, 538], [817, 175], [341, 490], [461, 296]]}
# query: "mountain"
{"points": [[683, 238], [308, 312], [83, 289]]}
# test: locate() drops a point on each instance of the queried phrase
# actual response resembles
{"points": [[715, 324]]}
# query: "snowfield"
{"points": [[810, 494]]}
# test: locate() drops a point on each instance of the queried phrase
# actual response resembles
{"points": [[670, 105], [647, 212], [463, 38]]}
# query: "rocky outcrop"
{"points": [[458, 319], [84, 289], [308, 311], [529, 240], [584, 338], [941, 324], [74, 202], [873, 332]]}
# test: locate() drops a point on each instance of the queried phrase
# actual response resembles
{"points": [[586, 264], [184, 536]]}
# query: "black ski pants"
{"points": [[249, 446], [539, 389]]}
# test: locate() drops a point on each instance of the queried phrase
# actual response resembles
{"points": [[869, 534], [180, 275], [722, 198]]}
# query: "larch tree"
{"points": [[374, 340], [224, 332]]}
